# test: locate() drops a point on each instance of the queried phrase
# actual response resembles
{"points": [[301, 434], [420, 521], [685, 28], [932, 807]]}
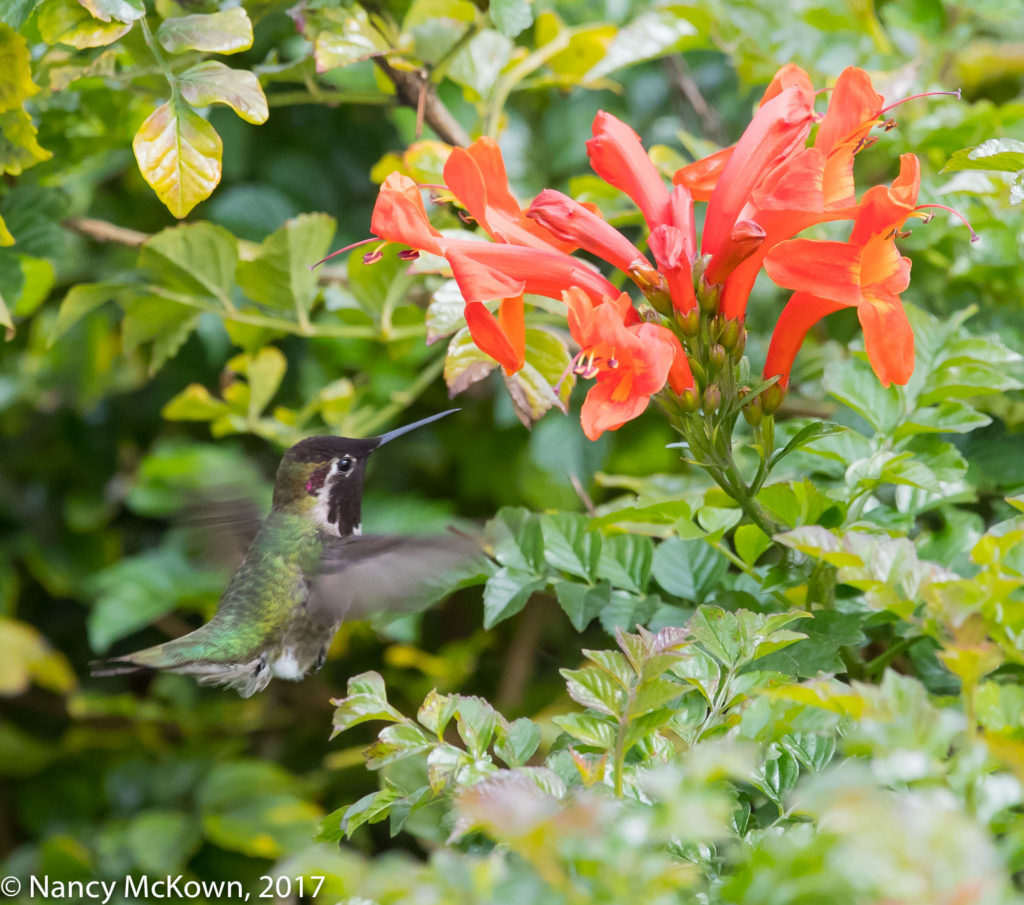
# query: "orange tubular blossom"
{"points": [[814, 185], [630, 362], [399, 216], [618, 157], [867, 273]]}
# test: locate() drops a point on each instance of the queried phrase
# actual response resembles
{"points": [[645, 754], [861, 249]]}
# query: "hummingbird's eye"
{"points": [[345, 465]]}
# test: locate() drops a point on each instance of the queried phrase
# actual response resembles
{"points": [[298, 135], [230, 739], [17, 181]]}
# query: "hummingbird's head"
{"points": [[323, 476]]}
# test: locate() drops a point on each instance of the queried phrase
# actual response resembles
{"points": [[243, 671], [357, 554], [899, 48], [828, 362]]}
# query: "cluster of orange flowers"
{"points": [[760, 193]]}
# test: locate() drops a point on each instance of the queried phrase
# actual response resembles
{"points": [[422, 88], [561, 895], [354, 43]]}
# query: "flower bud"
{"points": [[712, 398], [708, 296], [717, 356], [689, 323], [741, 342], [689, 401], [771, 398], [729, 334], [699, 374], [753, 411]]}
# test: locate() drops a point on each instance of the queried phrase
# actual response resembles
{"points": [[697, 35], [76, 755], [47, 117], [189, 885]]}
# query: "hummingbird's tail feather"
{"points": [[246, 677]]}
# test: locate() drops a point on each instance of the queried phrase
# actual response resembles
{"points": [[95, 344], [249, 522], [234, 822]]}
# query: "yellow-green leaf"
{"points": [[5, 320], [15, 70], [5, 234], [80, 301], [68, 22], [279, 276], [214, 83], [121, 10], [229, 31], [194, 258], [19, 149], [264, 371], [179, 154], [194, 403], [26, 656], [351, 40]]}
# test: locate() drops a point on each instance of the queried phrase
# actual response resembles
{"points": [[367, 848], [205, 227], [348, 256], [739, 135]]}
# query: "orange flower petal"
{"points": [[801, 313], [827, 269], [491, 338], [701, 176], [570, 221], [619, 158], [399, 215], [888, 340], [790, 74], [777, 130]]}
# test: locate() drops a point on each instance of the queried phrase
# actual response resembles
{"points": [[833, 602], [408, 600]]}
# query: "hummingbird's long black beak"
{"points": [[398, 431]]}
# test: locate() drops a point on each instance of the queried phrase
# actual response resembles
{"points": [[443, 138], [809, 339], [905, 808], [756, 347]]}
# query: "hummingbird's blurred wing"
{"points": [[370, 574], [222, 525]]}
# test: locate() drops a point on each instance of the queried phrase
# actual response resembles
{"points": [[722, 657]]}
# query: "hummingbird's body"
{"points": [[305, 569]]}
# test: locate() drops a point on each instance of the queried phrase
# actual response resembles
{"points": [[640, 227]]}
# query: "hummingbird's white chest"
{"points": [[286, 665]]}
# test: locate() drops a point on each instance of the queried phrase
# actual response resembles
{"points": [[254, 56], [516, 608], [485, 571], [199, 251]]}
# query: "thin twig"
{"points": [[521, 657], [710, 121], [101, 231], [414, 89]]}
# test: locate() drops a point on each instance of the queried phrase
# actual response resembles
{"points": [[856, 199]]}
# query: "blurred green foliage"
{"points": [[833, 717]]}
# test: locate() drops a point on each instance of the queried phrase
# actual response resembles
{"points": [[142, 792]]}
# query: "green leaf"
{"points": [[1004, 155], [212, 82], [626, 561], [179, 155], [519, 541], [594, 688], [479, 63], [750, 542], [229, 31], [464, 363], [353, 39], [360, 708], [254, 807], [264, 371], [506, 593], [589, 728], [511, 16], [193, 258], [395, 743], [650, 35], [654, 694], [582, 603], [855, 384], [137, 590], [613, 663], [807, 435], [690, 569], [165, 324], [69, 22], [372, 808], [161, 842], [80, 301], [736, 638], [445, 312], [476, 721], [119, 10], [279, 275], [568, 545], [517, 743]]}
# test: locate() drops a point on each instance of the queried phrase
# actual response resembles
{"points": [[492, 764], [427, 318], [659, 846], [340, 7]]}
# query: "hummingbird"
{"points": [[308, 566]]}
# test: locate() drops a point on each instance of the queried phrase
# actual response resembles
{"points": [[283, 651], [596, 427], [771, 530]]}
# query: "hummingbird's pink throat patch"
{"points": [[316, 480]]}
